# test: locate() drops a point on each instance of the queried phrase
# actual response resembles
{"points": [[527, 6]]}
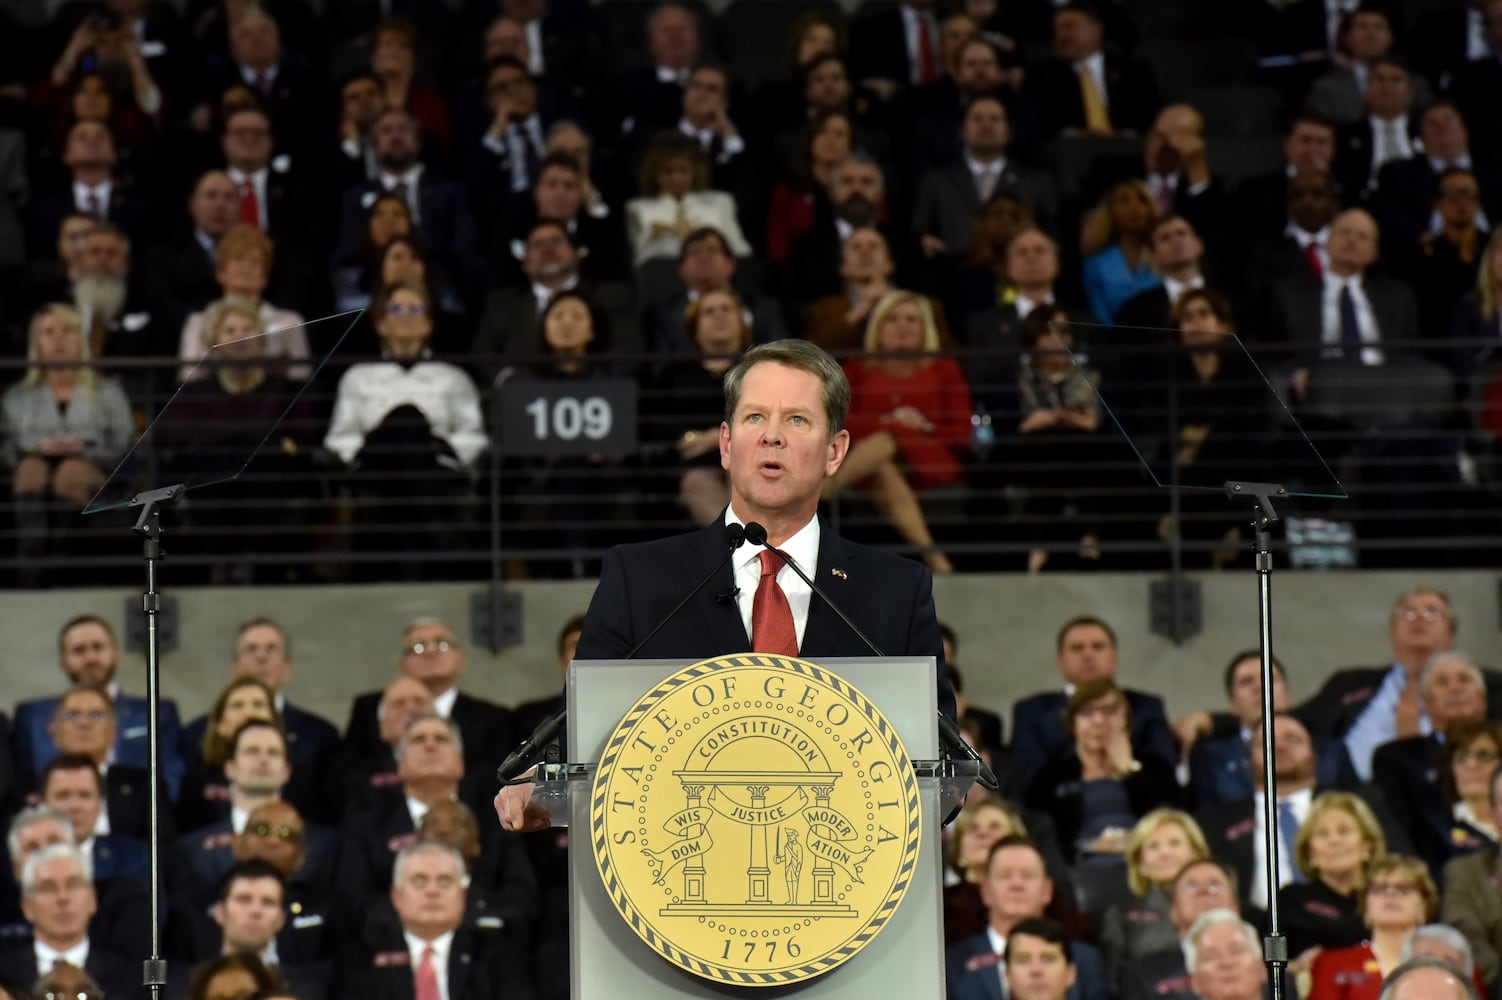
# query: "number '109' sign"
{"points": [[591, 417]]}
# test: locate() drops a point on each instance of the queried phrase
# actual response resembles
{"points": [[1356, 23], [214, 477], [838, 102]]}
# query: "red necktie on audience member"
{"points": [[926, 71], [1311, 251], [426, 981], [772, 629], [250, 205]]}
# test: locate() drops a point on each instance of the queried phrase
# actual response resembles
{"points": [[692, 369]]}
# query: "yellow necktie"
{"points": [[1095, 108]]}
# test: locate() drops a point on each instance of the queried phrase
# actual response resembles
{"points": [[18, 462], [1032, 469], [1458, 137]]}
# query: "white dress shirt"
{"points": [[802, 548], [258, 184], [999, 946], [731, 145], [441, 946], [1300, 802], [1025, 305], [1378, 722], [443, 704], [1366, 320], [536, 60], [986, 175], [1390, 141], [101, 193], [413, 178], [666, 74], [910, 33], [1476, 44], [237, 819], [249, 74], [1175, 287], [542, 294], [47, 956]]}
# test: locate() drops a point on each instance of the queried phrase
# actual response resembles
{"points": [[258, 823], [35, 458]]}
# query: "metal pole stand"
{"points": [[149, 527], [1261, 496]]}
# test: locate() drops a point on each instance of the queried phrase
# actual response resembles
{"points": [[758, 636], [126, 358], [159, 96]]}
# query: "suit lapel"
{"points": [[837, 575], [460, 961], [721, 618]]}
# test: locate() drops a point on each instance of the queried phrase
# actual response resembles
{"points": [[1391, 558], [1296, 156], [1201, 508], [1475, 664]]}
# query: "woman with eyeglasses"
{"points": [[1399, 897], [1335, 850], [410, 431], [1468, 759], [1097, 794]]}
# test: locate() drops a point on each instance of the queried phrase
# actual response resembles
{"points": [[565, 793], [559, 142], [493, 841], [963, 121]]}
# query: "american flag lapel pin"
{"points": [[836, 571]]}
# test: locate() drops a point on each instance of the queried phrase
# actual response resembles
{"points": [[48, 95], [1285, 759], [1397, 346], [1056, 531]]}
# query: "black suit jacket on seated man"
{"points": [[889, 598]]}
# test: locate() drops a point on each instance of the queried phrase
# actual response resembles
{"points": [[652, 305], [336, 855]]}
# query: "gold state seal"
{"points": [[755, 819]]}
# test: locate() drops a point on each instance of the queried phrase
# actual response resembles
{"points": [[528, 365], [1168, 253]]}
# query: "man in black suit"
{"points": [[507, 158], [1406, 189], [940, 109], [1219, 759], [1385, 134], [1340, 95], [783, 437], [263, 650], [1407, 769], [551, 263], [429, 893], [651, 99], [1347, 313], [357, 782], [1368, 706], [1177, 253], [90, 156], [705, 264], [1449, 37], [181, 279], [1087, 651], [1234, 829], [559, 193], [530, 714], [275, 200], [1085, 89], [83, 729], [280, 79], [437, 205], [950, 197], [897, 49], [1308, 145], [71, 785], [994, 331], [431, 654], [1300, 251], [58, 900]]}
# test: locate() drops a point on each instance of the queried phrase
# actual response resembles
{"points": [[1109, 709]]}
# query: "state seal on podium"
{"points": [[755, 819]]}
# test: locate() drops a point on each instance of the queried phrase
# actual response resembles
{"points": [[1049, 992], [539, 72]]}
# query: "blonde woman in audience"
{"points": [[974, 832], [1157, 849], [1335, 850], [1399, 898], [909, 419], [242, 267], [1114, 242], [675, 200]]}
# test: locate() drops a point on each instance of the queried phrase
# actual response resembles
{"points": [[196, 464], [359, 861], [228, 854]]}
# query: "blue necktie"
{"points": [[1350, 328], [1288, 832]]}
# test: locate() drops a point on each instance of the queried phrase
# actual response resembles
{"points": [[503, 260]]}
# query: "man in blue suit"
{"points": [[264, 651], [1086, 651], [89, 655], [1016, 890]]}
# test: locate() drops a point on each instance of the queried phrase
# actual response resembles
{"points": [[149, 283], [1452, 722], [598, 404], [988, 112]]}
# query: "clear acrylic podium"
{"points": [[608, 960]]}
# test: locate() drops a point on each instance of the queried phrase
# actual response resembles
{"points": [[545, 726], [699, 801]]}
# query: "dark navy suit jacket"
{"points": [[312, 742], [34, 746], [971, 972], [889, 598], [1218, 769], [1038, 732]]}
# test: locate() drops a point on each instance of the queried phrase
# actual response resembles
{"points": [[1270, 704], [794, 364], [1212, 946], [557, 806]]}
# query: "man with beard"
{"points": [[436, 204], [90, 156], [89, 656], [102, 295], [550, 260], [857, 200]]}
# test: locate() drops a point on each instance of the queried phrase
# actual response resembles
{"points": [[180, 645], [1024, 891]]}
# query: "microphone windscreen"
{"points": [[755, 533], [735, 535]]}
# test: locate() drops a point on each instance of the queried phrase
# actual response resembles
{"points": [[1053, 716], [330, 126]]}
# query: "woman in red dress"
{"points": [[909, 418], [1399, 897]]}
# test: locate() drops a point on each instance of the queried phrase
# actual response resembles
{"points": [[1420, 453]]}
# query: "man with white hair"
{"points": [[1443, 942], [431, 653], [1426, 979], [1224, 955], [58, 900], [437, 955], [1453, 689]]}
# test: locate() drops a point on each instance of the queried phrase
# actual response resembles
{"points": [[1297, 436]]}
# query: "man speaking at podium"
{"points": [[783, 435]]}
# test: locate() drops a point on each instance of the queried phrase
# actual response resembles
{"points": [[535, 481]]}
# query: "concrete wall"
{"points": [[346, 638]]}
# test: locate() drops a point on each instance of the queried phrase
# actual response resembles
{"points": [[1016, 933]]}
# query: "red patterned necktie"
{"points": [[772, 629], [427, 977]]}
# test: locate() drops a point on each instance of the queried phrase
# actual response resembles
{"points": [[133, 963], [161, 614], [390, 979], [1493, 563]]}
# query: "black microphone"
{"points": [[757, 535], [951, 740], [735, 536], [521, 758]]}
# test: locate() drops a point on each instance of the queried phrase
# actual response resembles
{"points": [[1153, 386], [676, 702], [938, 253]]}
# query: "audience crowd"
{"points": [[553, 189]]}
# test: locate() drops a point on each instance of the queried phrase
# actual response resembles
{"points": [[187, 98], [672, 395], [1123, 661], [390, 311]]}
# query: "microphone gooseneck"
{"points": [[735, 537]]}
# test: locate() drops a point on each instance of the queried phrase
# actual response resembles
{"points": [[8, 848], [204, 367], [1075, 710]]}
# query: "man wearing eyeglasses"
{"points": [[432, 655], [83, 725], [263, 650], [435, 956], [89, 654], [359, 783], [1200, 886], [1368, 706], [431, 764], [257, 771], [58, 900]]}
